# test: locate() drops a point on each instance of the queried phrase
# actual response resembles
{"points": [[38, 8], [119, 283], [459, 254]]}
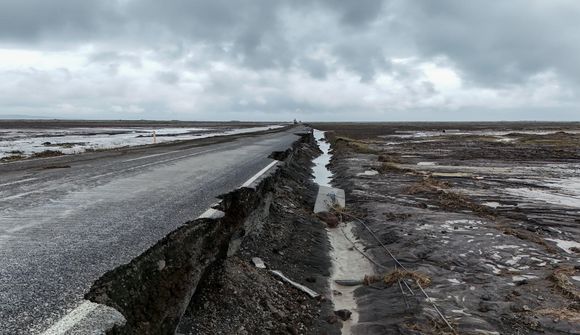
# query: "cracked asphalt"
{"points": [[67, 220]]}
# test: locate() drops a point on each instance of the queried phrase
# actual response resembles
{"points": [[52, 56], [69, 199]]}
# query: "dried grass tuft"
{"points": [[561, 279], [527, 235], [428, 185], [390, 167], [560, 313], [47, 153], [355, 145], [390, 158], [12, 158], [395, 276]]}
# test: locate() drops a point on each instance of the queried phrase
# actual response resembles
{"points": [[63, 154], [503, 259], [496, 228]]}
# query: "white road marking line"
{"points": [[259, 174], [215, 213], [18, 182], [87, 318], [149, 156], [71, 319], [152, 163], [16, 196]]}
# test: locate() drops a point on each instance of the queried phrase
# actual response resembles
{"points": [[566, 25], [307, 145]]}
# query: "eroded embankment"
{"points": [[189, 271]]}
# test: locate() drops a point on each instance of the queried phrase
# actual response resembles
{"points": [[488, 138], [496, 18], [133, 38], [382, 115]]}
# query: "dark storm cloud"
{"points": [[353, 13], [250, 27], [35, 20], [488, 40], [496, 42]]}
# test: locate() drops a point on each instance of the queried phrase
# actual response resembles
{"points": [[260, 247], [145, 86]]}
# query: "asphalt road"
{"points": [[66, 221]]}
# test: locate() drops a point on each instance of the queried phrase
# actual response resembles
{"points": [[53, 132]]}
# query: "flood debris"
{"points": [[528, 236], [47, 153], [12, 158], [327, 198], [343, 314], [329, 218], [395, 276], [258, 262], [561, 278], [301, 287], [390, 167]]}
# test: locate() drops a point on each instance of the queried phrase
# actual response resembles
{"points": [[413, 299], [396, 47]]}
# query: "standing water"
{"points": [[322, 176], [347, 262]]}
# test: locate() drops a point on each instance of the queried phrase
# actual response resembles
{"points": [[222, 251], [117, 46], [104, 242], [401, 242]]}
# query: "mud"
{"points": [[200, 278], [487, 212]]}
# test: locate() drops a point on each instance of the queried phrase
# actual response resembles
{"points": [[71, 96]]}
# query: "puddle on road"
{"points": [[347, 263]]}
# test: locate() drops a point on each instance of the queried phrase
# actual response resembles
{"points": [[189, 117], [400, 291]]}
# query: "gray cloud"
{"points": [[35, 21], [496, 42], [380, 58]]}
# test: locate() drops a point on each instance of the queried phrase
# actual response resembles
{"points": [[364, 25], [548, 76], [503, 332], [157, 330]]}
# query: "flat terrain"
{"points": [[63, 124], [485, 215], [66, 220], [41, 138]]}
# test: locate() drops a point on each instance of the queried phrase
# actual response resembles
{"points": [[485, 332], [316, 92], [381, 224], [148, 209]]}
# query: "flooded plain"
{"points": [[488, 213], [18, 142]]}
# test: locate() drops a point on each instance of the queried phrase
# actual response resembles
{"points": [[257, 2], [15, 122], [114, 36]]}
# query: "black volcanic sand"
{"points": [[452, 218], [238, 298]]}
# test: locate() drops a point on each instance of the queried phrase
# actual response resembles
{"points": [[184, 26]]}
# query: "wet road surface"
{"points": [[66, 221]]}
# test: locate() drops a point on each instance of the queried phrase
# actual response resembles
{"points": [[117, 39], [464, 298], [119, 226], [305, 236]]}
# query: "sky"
{"points": [[271, 60]]}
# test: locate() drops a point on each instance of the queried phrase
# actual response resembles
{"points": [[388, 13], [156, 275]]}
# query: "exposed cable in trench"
{"points": [[397, 263], [380, 266]]}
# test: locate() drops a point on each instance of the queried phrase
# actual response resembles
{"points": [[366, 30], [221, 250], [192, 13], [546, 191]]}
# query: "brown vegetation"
{"points": [[528, 236], [390, 157], [386, 168], [428, 184], [342, 143], [46, 153], [12, 158], [561, 279], [395, 276]]}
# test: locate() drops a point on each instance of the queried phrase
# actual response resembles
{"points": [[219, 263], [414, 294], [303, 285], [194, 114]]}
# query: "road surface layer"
{"points": [[65, 221]]}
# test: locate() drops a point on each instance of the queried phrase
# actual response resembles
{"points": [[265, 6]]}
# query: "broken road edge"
{"points": [[150, 294]]}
